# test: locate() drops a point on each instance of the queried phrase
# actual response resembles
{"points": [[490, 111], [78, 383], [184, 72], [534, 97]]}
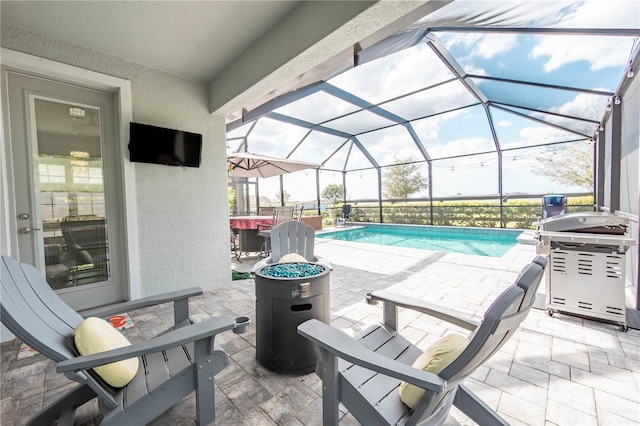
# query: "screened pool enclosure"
{"points": [[487, 100]]}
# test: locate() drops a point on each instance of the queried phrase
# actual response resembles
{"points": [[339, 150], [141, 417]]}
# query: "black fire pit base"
{"points": [[281, 305]]}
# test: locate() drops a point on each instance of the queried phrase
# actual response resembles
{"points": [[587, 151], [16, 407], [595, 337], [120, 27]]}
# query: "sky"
{"points": [[594, 63]]}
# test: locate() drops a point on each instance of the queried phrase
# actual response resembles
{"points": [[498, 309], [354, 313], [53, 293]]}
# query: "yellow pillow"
{"points": [[95, 335], [434, 359], [292, 257]]}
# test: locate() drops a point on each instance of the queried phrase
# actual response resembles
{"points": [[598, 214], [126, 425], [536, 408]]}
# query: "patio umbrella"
{"points": [[246, 164]]}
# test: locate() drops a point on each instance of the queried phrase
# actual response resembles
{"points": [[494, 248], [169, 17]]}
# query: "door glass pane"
{"points": [[69, 182]]}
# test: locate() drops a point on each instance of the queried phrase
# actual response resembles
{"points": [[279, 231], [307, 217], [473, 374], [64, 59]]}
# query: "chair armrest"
{"points": [[143, 302], [165, 341], [261, 263], [345, 347], [430, 309], [325, 263]]}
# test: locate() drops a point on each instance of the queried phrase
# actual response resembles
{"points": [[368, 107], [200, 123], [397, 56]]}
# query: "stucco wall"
{"points": [[182, 212]]}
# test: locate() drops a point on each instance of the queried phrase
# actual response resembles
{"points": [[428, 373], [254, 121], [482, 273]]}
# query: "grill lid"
{"points": [[587, 222]]}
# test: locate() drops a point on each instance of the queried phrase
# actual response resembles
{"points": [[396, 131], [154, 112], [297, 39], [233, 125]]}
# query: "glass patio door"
{"points": [[67, 217]]}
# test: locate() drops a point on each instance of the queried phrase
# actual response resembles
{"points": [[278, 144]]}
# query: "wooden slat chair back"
{"points": [[42, 320], [26, 313], [33, 312], [364, 373], [292, 237], [500, 322], [280, 216]]}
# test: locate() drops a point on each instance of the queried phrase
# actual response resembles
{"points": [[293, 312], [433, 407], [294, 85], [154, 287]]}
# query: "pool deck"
{"points": [[554, 371]]}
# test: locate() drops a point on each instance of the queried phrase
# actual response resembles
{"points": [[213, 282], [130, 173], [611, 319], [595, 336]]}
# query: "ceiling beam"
{"points": [[544, 85], [443, 53], [314, 42], [631, 32]]}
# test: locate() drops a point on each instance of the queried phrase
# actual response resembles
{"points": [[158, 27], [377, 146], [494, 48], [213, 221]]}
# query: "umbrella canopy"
{"points": [[246, 164]]}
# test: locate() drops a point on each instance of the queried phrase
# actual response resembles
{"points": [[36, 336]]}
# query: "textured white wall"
{"points": [[182, 212]]}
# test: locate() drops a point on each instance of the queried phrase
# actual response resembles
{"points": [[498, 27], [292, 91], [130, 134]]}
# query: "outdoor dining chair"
{"points": [[280, 215], [345, 219]]}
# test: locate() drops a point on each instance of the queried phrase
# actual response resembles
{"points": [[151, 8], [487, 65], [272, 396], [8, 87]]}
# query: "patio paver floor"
{"points": [[554, 371]]}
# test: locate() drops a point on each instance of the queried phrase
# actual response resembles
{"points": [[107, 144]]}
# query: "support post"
{"points": [[616, 149], [599, 169]]}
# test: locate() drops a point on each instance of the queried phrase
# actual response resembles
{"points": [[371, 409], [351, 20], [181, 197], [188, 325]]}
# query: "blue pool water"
{"points": [[477, 241]]}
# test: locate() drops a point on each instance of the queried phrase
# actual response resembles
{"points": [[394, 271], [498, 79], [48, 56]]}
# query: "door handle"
{"points": [[27, 230]]}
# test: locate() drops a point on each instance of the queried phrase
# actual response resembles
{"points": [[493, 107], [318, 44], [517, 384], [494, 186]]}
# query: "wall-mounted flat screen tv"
{"points": [[157, 145]]}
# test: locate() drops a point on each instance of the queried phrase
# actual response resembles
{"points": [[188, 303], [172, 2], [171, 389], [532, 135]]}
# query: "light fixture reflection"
{"points": [[77, 113], [79, 154]]}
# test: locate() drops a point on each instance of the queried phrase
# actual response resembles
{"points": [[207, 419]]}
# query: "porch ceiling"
{"points": [[247, 52], [192, 39]]}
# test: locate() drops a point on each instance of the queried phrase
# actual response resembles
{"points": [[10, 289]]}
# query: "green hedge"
{"points": [[519, 214]]}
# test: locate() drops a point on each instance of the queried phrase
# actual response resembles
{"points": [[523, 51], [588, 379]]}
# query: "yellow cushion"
{"points": [[434, 359], [95, 335], [292, 257]]}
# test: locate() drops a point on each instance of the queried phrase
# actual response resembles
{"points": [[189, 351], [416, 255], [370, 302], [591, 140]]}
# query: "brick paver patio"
{"points": [[554, 371]]}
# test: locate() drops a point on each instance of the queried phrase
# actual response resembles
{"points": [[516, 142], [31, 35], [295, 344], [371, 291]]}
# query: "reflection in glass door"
{"points": [[66, 189], [69, 181]]}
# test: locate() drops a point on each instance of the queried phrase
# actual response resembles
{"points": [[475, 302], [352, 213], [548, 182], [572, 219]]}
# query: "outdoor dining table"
{"points": [[250, 222], [247, 226]]}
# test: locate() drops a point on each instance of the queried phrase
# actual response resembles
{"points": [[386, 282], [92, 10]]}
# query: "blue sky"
{"points": [[587, 62]]}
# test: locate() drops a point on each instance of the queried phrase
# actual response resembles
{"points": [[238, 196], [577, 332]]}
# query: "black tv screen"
{"points": [[157, 145]]}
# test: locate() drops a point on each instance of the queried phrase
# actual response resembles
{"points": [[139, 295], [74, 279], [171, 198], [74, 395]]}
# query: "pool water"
{"points": [[477, 241]]}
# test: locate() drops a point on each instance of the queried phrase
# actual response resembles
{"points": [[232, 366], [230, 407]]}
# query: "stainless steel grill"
{"points": [[587, 264]]}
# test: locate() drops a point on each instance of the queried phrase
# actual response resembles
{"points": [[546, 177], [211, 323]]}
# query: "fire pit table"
{"points": [[288, 294]]}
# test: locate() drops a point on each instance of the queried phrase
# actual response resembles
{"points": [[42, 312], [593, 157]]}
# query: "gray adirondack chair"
{"points": [[37, 316], [364, 372], [291, 237]]}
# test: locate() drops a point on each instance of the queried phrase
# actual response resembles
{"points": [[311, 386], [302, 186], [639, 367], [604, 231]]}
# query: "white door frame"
{"points": [[122, 90]]}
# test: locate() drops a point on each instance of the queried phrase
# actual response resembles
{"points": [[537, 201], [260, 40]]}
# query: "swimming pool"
{"points": [[477, 241]]}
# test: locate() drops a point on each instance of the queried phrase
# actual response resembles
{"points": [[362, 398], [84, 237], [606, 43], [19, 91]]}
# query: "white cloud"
{"points": [[538, 135], [484, 45], [462, 147], [504, 123], [584, 105], [467, 40], [603, 14], [600, 52], [472, 68], [396, 74], [492, 44]]}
